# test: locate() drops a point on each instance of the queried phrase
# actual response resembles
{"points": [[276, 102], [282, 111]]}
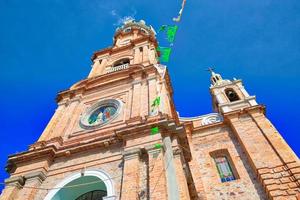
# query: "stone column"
{"points": [[33, 180], [157, 182], [180, 175], [130, 182], [12, 188], [172, 182]]}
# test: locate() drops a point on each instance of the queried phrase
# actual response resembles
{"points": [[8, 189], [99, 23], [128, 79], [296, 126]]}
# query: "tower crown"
{"points": [[131, 30], [229, 95], [134, 43], [216, 79]]}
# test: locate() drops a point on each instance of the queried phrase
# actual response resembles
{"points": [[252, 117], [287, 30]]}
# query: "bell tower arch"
{"points": [[229, 95]]}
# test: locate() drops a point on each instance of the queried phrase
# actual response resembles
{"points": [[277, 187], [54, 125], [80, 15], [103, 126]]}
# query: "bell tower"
{"points": [[117, 128], [133, 44], [229, 95], [265, 148]]}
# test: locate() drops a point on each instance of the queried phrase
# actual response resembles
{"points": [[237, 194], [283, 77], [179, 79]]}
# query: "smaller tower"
{"points": [[229, 95]]}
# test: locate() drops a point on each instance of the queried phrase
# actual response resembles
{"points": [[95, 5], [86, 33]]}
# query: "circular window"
{"points": [[100, 113]]}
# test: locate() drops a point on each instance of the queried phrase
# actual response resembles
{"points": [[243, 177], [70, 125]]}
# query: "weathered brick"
{"points": [[278, 193], [295, 170], [285, 180], [292, 185], [273, 187]]}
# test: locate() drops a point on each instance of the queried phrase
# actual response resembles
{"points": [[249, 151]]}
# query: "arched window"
{"points": [[90, 185], [121, 62], [224, 169], [93, 195], [224, 165], [231, 95], [127, 30]]}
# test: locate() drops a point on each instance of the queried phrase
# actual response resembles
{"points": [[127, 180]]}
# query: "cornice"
{"points": [[114, 49], [237, 113], [128, 74]]}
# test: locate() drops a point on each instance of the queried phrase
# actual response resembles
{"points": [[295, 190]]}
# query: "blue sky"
{"points": [[45, 47]]}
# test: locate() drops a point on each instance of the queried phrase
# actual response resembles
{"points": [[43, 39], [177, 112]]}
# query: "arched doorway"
{"points": [[92, 185]]}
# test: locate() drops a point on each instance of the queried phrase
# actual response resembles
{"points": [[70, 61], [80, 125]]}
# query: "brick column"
{"points": [[144, 99], [136, 99], [46, 135], [152, 91], [157, 181], [33, 179], [130, 184], [64, 122], [12, 188], [264, 158]]}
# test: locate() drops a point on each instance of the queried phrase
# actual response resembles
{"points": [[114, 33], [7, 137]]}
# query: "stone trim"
{"points": [[17, 180], [132, 153], [41, 176]]}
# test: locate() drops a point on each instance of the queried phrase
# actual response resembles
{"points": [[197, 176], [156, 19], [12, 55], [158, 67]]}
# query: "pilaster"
{"points": [[157, 181], [136, 99], [130, 183], [33, 180], [13, 185], [172, 182], [47, 133], [180, 175], [268, 154]]}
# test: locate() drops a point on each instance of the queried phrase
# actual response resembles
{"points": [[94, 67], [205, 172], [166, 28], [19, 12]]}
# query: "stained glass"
{"points": [[224, 169], [102, 114]]}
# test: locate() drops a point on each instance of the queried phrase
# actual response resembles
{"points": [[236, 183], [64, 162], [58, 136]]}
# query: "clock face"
{"points": [[100, 113]]}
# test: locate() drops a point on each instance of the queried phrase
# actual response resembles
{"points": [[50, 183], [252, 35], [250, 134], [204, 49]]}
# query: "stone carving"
{"points": [[211, 119]]}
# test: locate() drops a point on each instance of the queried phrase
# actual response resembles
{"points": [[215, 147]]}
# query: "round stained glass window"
{"points": [[100, 113]]}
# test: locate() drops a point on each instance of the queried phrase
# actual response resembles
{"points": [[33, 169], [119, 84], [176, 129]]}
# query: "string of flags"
{"points": [[177, 19], [164, 56]]}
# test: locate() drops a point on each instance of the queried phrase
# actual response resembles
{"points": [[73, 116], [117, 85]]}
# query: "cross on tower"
{"points": [[210, 69]]}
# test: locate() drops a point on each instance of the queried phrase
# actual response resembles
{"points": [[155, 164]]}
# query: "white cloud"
{"points": [[124, 19], [113, 12], [120, 19]]}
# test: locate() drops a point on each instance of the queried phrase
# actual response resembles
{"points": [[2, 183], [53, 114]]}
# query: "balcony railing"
{"points": [[117, 68]]}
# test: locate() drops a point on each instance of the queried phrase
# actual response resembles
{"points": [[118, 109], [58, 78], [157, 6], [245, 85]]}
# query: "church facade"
{"points": [[117, 135]]}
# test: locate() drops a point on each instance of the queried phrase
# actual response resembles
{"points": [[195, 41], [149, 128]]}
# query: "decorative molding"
{"points": [[132, 153], [36, 175], [211, 118], [17, 180]]}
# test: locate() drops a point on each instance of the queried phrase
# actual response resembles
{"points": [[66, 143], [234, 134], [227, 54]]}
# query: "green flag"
{"points": [[171, 32], [157, 146], [156, 102], [162, 28], [164, 53], [154, 130]]}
